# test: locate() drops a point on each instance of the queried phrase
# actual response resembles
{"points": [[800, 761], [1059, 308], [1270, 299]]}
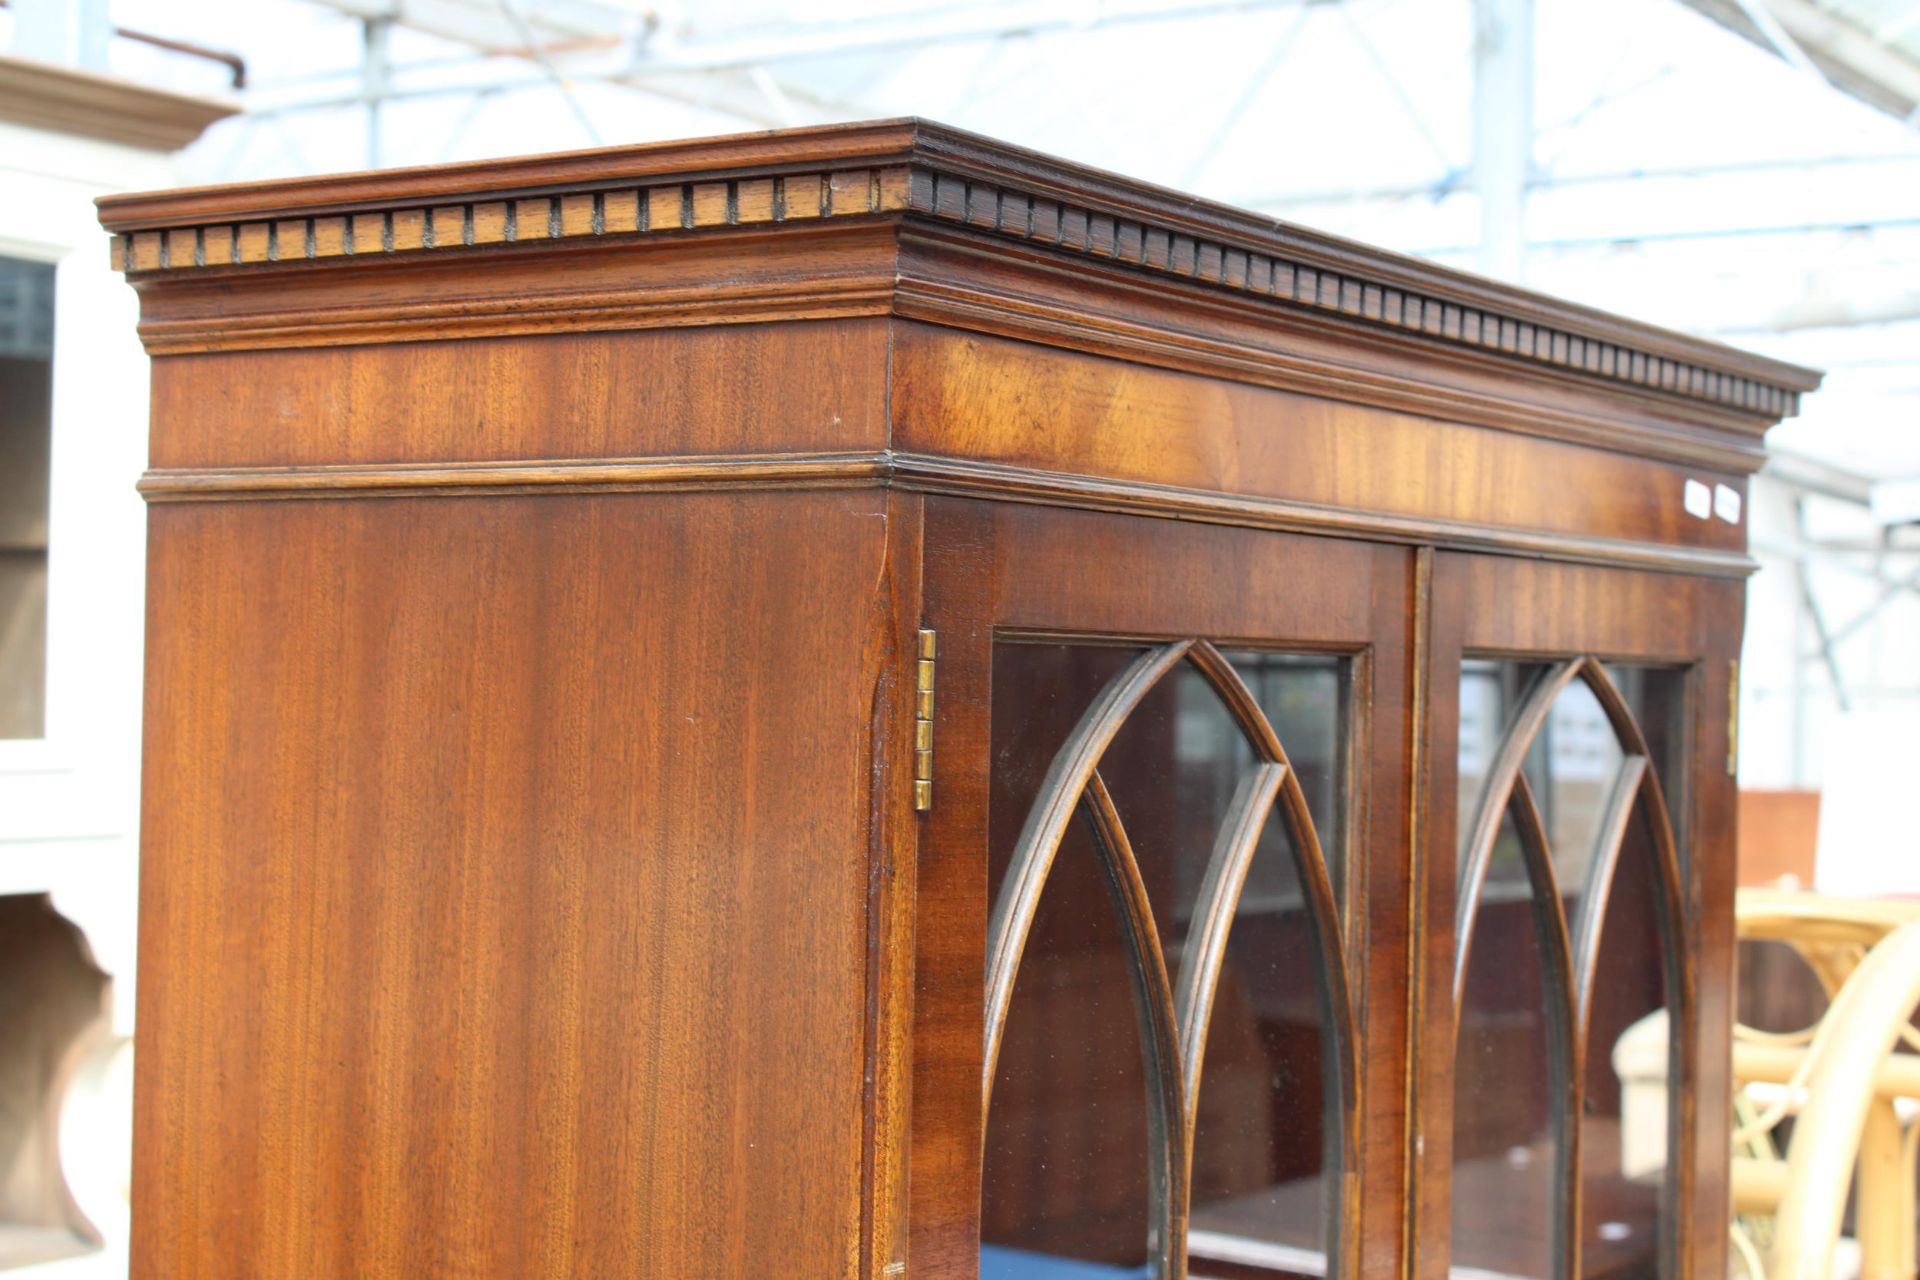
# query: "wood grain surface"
{"points": [[1012, 569], [943, 176], [1493, 607], [505, 888], [531, 880], [769, 390], [1026, 407]]}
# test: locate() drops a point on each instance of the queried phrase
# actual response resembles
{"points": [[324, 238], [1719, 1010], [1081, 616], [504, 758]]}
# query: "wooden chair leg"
{"points": [[1884, 1206], [1866, 1020]]}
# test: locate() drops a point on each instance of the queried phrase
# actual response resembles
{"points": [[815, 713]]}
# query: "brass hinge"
{"points": [[1733, 717], [923, 723]]}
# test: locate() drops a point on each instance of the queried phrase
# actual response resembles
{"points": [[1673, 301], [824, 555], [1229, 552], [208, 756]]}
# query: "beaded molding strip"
{"points": [[993, 208], [681, 206]]}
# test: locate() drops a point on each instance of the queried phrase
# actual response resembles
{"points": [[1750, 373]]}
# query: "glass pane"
{"points": [[1305, 698], [1260, 1134], [1657, 696], [1173, 770], [1484, 697], [1067, 1153], [1504, 1153], [1066, 1148], [1506, 1190], [1040, 692], [1573, 766], [23, 643], [1174, 766], [1623, 1125], [26, 435]]}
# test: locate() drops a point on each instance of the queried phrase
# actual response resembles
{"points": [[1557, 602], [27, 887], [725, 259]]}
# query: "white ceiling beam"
{"points": [[554, 26], [740, 94], [1822, 308], [1816, 475], [665, 52], [1896, 502], [1822, 32], [727, 93], [1798, 308], [1503, 66], [1797, 167], [582, 41], [619, 46], [566, 24], [1776, 36], [1853, 59]]}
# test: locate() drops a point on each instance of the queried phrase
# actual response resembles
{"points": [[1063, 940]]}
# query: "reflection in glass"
{"points": [[1260, 1133], [1573, 764], [1067, 1147], [1070, 1090], [1066, 1157], [1504, 1149], [1508, 1192], [26, 440], [1624, 1122], [1303, 698]]}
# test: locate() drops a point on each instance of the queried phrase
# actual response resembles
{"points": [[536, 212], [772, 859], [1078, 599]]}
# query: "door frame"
{"points": [[1504, 607], [994, 569]]}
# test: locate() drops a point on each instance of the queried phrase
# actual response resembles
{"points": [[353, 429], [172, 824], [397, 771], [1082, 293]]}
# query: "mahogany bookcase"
{"points": [[865, 702]]}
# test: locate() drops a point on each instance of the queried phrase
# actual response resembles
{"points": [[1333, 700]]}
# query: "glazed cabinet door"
{"points": [[1576, 925], [1161, 900]]}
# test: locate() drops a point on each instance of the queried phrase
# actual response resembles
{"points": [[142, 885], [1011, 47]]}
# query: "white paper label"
{"points": [[1726, 503], [1698, 500]]}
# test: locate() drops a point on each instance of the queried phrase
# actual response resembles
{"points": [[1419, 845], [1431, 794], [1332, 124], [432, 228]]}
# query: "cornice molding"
{"points": [[1714, 436], [914, 171], [597, 310], [616, 475], [920, 473], [970, 478], [65, 100]]}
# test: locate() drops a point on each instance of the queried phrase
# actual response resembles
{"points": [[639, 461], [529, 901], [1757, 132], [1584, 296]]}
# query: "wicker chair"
{"points": [[1849, 1090]]}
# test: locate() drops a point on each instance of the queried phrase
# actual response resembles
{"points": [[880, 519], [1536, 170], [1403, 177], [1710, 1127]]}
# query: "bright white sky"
{"points": [[1770, 197]]}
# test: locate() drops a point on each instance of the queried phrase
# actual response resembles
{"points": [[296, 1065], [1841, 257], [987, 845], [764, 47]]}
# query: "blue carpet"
{"points": [[997, 1263]]}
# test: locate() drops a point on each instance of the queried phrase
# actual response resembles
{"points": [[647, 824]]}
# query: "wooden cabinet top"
{"points": [[914, 222]]}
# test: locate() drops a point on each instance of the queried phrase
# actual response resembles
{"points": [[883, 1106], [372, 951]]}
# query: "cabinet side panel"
{"points": [[504, 899]]}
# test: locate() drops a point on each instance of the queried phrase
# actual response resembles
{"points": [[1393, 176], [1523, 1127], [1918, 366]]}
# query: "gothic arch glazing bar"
{"points": [[1309, 865], [1168, 1129], [1477, 853], [1571, 956], [1612, 837], [1219, 897], [1173, 1016], [1033, 854], [1557, 974], [1659, 828], [1669, 908]]}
